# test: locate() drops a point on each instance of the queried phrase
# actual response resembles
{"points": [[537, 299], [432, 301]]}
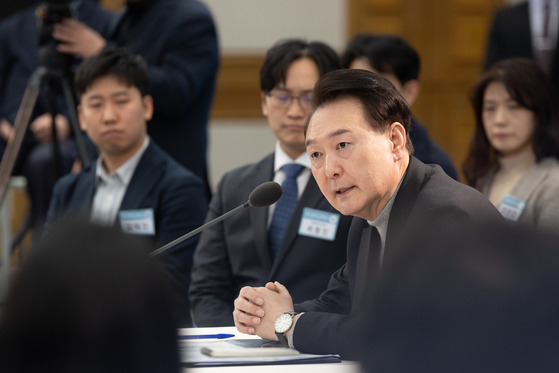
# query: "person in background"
{"points": [[133, 184], [512, 153], [357, 139], [471, 298], [393, 58], [529, 29], [19, 51], [89, 299], [178, 40], [300, 240]]}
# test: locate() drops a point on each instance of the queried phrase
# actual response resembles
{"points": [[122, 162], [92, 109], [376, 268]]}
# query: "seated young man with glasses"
{"points": [[299, 241]]}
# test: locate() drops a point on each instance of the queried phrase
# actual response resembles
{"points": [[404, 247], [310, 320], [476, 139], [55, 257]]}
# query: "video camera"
{"points": [[49, 13]]}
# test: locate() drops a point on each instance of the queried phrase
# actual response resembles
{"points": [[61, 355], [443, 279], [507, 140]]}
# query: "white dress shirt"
{"points": [[110, 188]]}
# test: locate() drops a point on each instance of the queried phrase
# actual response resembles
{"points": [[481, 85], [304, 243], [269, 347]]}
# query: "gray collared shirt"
{"points": [[110, 188], [381, 221]]}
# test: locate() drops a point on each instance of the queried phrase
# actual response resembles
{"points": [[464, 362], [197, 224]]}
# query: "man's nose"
{"points": [[109, 114], [296, 107], [332, 166]]}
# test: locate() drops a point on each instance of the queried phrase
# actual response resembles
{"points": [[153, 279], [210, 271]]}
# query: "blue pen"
{"points": [[207, 336]]}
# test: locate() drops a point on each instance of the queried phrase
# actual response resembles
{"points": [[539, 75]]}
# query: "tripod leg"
{"points": [[57, 158], [70, 102], [20, 126]]}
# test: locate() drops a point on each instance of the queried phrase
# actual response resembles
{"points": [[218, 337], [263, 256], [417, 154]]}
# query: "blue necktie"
{"points": [[284, 207]]}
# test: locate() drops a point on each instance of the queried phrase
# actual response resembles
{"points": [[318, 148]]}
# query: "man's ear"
{"points": [[398, 139], [83, 127], [148, 107], [264, 104], [410, 90]]}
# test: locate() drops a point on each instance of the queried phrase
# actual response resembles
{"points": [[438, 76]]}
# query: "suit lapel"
{"points": [[259, 215], [82, 197], [523, 26], [311, 197], [404, 202], [145, 177]]}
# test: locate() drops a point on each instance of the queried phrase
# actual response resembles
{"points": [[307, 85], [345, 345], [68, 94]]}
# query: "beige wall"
{"points": [[254, 25]]}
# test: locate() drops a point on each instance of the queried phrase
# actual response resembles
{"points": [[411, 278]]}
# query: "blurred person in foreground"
{"points": [[513, 153], [475, 298], [89, 299]]}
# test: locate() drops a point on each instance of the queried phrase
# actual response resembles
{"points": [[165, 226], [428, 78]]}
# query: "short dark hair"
{"points": [[381, 102], [528, 85], [99, 300], [129, 68], [285, 52], [386, 54]]}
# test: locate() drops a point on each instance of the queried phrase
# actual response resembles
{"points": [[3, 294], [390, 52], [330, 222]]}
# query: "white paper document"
{"points": [[245, 352]]}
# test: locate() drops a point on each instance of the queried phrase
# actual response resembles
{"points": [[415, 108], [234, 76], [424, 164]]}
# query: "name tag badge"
{"points": [[319, 224], [137, 221], [511, 208]]}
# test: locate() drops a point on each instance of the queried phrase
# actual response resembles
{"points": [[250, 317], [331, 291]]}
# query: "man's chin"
{"points": [[343, 209]]}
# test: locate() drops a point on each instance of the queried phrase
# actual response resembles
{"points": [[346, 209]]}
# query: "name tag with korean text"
{"points": [[319, 224], [511, 208], [137, 221]]}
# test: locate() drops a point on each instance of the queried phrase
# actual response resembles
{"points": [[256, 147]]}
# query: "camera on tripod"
{"points": [[55, 73], [49, 13]]}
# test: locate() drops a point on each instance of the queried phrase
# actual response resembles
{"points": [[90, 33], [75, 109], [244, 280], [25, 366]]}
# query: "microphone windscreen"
{"points": [[265, 194]]}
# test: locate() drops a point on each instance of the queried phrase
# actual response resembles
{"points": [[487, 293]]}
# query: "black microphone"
{"points": [[263, 195]]}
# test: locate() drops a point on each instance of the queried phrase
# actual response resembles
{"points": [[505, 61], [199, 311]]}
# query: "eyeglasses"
{"points": [[282, 100]]}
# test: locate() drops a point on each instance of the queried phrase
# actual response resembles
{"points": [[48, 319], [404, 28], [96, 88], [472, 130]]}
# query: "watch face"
{"points": [[283, 323]]}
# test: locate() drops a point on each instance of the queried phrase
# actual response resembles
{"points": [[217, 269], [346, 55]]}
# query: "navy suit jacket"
{"points": [[235, 252], [176, 196], [425, 192], [510, 36], [179, 42]]}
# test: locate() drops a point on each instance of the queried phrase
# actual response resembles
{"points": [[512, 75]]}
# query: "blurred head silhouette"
{"points": [[467, 299], [88, 299]]}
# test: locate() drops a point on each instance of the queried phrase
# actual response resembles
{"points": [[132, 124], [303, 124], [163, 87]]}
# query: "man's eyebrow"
{"points": [[120, 93], [93, 97], [99, 96], [331, 135]]}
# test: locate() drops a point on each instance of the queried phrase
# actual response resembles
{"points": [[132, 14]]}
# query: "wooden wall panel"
{"points": [[238, 87], [113, 4], [467, 31]]}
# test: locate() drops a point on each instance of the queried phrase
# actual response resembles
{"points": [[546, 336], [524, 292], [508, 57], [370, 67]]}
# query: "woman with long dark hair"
{"points": [[513, 154]]}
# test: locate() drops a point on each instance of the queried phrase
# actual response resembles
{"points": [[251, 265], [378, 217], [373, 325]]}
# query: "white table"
{"points": [[343, 367]]}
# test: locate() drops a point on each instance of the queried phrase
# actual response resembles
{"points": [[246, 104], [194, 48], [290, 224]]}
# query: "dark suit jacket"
{"points": [[179, 42], [510, 36], [426, 192], [176, 196], [235, 253], [428, 151]]}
